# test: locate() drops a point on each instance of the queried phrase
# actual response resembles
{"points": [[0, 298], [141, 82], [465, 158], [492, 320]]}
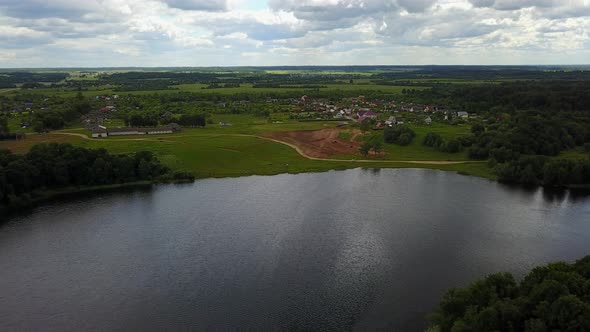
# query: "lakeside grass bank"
{"points": [[211, 154]]}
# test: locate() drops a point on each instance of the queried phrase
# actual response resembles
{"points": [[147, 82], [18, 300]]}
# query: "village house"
{"points": [[428, 121], [99, 131], [365, 114], [93, 119], [463, 114], [391, 121]]}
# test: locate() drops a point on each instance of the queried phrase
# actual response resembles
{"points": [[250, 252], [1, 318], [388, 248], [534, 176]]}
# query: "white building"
{"points": [[101, 131]]}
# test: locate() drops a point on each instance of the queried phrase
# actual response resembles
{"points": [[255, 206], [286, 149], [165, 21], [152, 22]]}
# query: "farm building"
{"points": [[101, 131], [124, 131]]}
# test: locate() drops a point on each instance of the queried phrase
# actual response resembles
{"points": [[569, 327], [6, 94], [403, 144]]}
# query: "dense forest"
{"points": [[521, 128], [55, 166], [10, 79], [555, 297], [555, 95], [522, 147]]}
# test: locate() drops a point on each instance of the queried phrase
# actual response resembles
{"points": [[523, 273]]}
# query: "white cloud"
{"points": [[205, 5], [513, 4], [240, 32]]}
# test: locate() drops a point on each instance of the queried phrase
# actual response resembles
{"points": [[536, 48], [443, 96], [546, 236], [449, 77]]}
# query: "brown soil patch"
{"points": [[318, 143], [24, 145]]}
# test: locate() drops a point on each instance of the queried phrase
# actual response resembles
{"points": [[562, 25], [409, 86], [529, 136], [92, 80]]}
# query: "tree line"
{"points": [[149, 119], [54, 166], [555, 297], [507, 97], [522, 147], [539, 170]]}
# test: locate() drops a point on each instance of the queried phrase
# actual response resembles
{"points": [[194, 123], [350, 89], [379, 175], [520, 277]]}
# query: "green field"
{"points": [[210, 155], [224, 151], [361, 85]]}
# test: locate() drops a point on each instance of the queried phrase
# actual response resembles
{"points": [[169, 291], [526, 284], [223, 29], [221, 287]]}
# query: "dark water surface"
{"points": [[349, 250]]}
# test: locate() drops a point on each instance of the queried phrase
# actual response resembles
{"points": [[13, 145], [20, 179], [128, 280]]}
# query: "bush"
{"points": [[432, 140], [401, 135], [452, 146], [436, 141], [478, 153]]}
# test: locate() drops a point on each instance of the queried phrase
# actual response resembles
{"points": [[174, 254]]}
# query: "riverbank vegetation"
{"points": [[555, 297], [53, 166]]}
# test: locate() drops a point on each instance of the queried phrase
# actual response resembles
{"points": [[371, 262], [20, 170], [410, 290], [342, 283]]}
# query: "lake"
{"points": [[342, 250]]}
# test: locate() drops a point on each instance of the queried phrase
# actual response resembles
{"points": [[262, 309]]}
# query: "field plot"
{"points": [[24, 145], [323, 143]]}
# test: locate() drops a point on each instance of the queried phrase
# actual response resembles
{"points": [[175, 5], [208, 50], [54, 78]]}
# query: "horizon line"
{"points": [[300, 66]]}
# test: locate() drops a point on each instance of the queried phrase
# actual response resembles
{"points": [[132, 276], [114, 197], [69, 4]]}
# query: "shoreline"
{"points": [[51, 195], [43, 197]]}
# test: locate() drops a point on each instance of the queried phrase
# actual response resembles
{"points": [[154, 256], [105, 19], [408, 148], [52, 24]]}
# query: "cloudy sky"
{"points": [[93, 33]]}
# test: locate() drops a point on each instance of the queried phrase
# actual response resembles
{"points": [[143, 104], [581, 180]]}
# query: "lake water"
{"points": [[347, 250]]}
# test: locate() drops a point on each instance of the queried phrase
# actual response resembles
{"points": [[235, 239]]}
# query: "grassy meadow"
{"points": [[216, 151]]}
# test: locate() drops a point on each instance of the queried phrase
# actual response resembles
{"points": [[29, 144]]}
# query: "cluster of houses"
{"points": [[96, 118], [360, 109], [27, 106], [102, 131], [107, 98]]}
